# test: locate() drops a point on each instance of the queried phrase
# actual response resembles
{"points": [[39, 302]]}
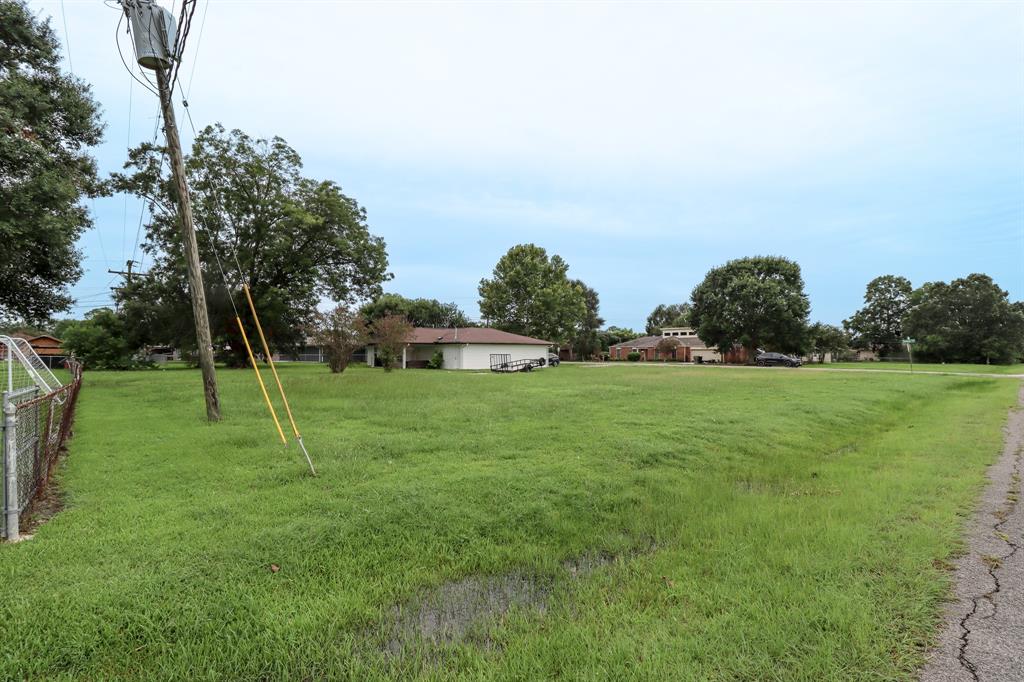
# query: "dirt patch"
{"points": [[45, 506], [465, 610]]}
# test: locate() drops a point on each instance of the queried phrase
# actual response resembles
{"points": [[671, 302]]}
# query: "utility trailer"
{"points": [[503, 362]]}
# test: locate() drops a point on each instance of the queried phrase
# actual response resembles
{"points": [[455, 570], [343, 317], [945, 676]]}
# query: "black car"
{"points": [[770, 359], [553, 360]]}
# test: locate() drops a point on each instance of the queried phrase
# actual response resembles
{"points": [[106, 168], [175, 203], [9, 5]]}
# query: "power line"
{"points": [[188, 10], [120, 53], [128, 147], [142, 212], [67, 37], [195, 55], [71, 69]]}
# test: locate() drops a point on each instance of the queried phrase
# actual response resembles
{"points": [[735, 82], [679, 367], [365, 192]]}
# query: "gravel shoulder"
{"points": [[982, 637]]}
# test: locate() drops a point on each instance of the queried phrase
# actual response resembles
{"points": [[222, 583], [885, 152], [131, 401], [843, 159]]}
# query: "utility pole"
{"points": [[128, 274], [153, 30], [188, 238]]}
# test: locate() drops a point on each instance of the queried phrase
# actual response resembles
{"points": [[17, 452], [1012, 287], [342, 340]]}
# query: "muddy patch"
{"points": [[465, 611]]}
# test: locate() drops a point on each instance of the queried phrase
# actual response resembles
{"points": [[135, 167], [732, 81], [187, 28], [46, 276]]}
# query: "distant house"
{"points": [[47, 347], [311, 351], [464, 347], [690, 348], [162, 354]]}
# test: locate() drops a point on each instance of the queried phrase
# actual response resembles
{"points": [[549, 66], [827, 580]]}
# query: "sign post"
{"points": [[910, 349]]}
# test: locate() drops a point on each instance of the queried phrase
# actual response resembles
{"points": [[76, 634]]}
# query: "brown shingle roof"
{"points": [[652, 342], [471, 335], [640, 342]]}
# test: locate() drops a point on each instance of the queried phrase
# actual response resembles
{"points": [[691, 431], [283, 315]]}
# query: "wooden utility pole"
{"points": [[188, 238]]}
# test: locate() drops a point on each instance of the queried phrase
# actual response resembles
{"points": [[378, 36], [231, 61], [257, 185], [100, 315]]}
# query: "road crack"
{"points": [[993, 564]]}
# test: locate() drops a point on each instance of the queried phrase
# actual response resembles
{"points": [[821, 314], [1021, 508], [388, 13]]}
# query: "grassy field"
{"points": [[578, 522], [931, 367]]}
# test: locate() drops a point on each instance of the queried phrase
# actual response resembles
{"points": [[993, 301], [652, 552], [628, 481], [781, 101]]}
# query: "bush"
{"points": [[437, 361], [101, 341], [633, 356], [391, 334], [667, 348], [341, 333]]}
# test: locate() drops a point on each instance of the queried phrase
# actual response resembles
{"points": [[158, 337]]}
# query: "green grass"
{"points": [[930, 367], [768, 525]]}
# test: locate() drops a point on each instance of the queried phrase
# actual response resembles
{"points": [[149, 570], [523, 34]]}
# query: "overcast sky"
{"points": [[644, 143]]}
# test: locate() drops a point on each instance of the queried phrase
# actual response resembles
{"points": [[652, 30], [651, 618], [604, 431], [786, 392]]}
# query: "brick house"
{"points": [[690, 348]]}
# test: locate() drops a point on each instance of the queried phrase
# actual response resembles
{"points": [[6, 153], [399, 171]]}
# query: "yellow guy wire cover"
{"points": [[259, 377], [273, 369]]}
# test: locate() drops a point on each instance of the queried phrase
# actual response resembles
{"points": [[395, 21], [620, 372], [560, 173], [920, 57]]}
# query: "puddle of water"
{"points": [[463, 610]]}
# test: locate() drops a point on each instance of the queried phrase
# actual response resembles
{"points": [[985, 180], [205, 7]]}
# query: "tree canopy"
{"points": [[297, 240], [530, 293], [47, 122], [613, 335], [588, 340], [753, 302], [671, 315], [879, 324], [827, 338], [421, 312], [968, 320], [101, 341]]}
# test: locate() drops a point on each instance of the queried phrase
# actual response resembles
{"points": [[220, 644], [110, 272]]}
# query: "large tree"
{"points": [[530, 293], [421, 312], [879, 324], [968, 320], [671, 315], [47, 122], [296, 240], [587, 342], [753, 302]]}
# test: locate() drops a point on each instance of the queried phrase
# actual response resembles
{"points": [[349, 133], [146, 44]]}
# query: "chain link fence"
{"points": [[36, 426]]}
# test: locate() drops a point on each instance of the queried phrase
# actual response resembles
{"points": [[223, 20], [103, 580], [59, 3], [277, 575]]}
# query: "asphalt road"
{"points": [[983, 635]]}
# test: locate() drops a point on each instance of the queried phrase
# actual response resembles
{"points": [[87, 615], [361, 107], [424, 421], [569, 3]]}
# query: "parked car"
{"points": [[553, 360], [769, 359]]}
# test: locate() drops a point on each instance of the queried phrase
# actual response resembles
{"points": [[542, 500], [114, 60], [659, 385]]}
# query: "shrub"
{"points": [[667, 348], [633, 356], [391, 334], [341, 333], [436, 361]]}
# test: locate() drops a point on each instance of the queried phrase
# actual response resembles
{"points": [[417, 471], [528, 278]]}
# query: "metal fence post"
{"points": [[10, 469]]}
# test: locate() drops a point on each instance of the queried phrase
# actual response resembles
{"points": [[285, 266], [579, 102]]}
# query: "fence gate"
{"points": [[36, 417]]}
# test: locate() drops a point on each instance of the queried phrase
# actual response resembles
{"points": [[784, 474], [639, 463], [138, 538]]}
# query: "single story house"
{"points": [[47, 347], [311, 351], [464, 347], [689, 349]]}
